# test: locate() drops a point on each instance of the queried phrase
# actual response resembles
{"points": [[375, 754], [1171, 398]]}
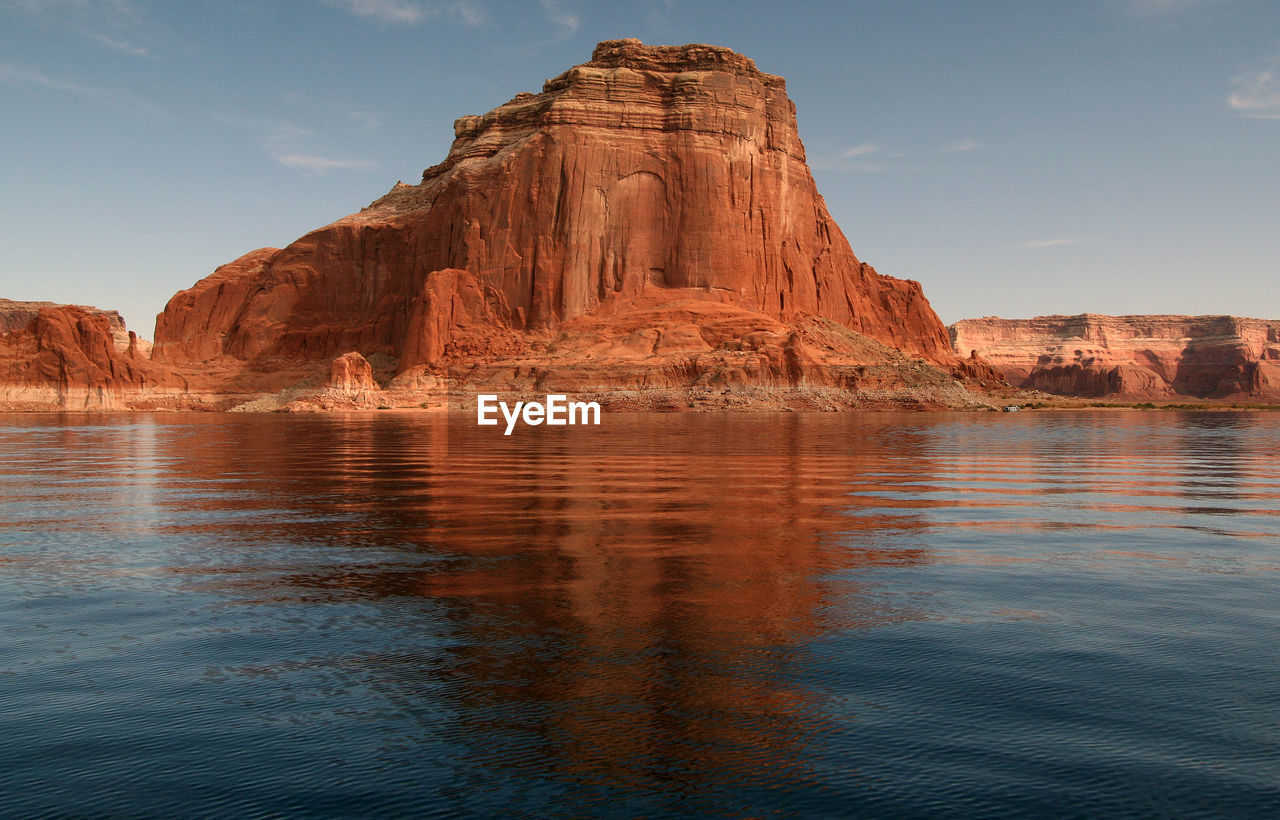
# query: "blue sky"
{"points": [[1018, 158]]}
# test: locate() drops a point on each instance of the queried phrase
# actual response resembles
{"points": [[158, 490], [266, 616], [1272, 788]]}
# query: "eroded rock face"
{"points": [[646, 178], [351, 373], [1131, 356], [17, 315], [71, 357], [194, 322]]}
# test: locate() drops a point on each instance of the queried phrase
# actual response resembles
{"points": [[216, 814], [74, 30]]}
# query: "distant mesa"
{"points": [[75, 357], [1135, 357], [17, 315], [646, 222]]}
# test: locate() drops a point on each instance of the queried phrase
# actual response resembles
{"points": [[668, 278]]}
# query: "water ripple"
{"points": [[1065, 614]]}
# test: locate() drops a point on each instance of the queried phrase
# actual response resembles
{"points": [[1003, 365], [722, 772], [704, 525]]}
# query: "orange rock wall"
{"points": [[1135, 356], [69, 357]]}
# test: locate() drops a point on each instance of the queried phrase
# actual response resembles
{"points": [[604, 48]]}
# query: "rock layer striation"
{"points": [[1149, 357]]}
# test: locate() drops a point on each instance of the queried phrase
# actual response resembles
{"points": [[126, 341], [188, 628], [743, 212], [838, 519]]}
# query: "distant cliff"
{"points": [[17, 315], [1148, 357], [74, 357]]}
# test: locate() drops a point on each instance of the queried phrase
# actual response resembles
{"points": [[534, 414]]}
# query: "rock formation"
{"points": [[351, 373], [72, 357], [1146, 357], [648, 219], [17, 315]]}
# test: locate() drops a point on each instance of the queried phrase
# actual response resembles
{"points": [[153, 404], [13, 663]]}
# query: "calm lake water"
{"points": [[1072, 614]]}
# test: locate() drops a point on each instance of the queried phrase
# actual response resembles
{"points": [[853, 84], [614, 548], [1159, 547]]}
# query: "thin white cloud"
{"points": [[317, 165], [860, 150], [470, 14], [963, 146], [365, 122], [858, 165], [1256, 94], [118, 98], [555, 14], [411, 13], [286, 142], [119, 25], [119, 45], [869, 156], [1155, 9], [20, 75], [959, 147], [384, 11], [1033, 244], [122, 11]]}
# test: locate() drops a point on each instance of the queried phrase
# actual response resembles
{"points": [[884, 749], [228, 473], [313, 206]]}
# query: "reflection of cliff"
{"points": [[643, 592], [1134, 356], [1219, 467]]}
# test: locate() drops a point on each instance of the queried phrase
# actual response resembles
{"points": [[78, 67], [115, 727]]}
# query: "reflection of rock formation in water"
{"points": [[632, 603], [1218, 460], [367, 643]]}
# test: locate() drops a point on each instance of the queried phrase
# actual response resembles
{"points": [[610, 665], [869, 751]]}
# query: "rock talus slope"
{"points": [[647, 219], [1149, 357]]}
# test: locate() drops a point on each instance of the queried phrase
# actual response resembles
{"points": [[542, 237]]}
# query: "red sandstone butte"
{"points": [[351, 373], [1150, 357], [647, 219], [73, 357]]}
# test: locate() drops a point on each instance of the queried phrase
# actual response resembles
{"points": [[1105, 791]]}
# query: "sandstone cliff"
{"points": [[72, 357], [17, 315], [1130, 356], [647, 219]]}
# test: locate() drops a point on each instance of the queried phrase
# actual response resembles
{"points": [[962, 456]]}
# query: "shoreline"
{"points": [[678, 402]]}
